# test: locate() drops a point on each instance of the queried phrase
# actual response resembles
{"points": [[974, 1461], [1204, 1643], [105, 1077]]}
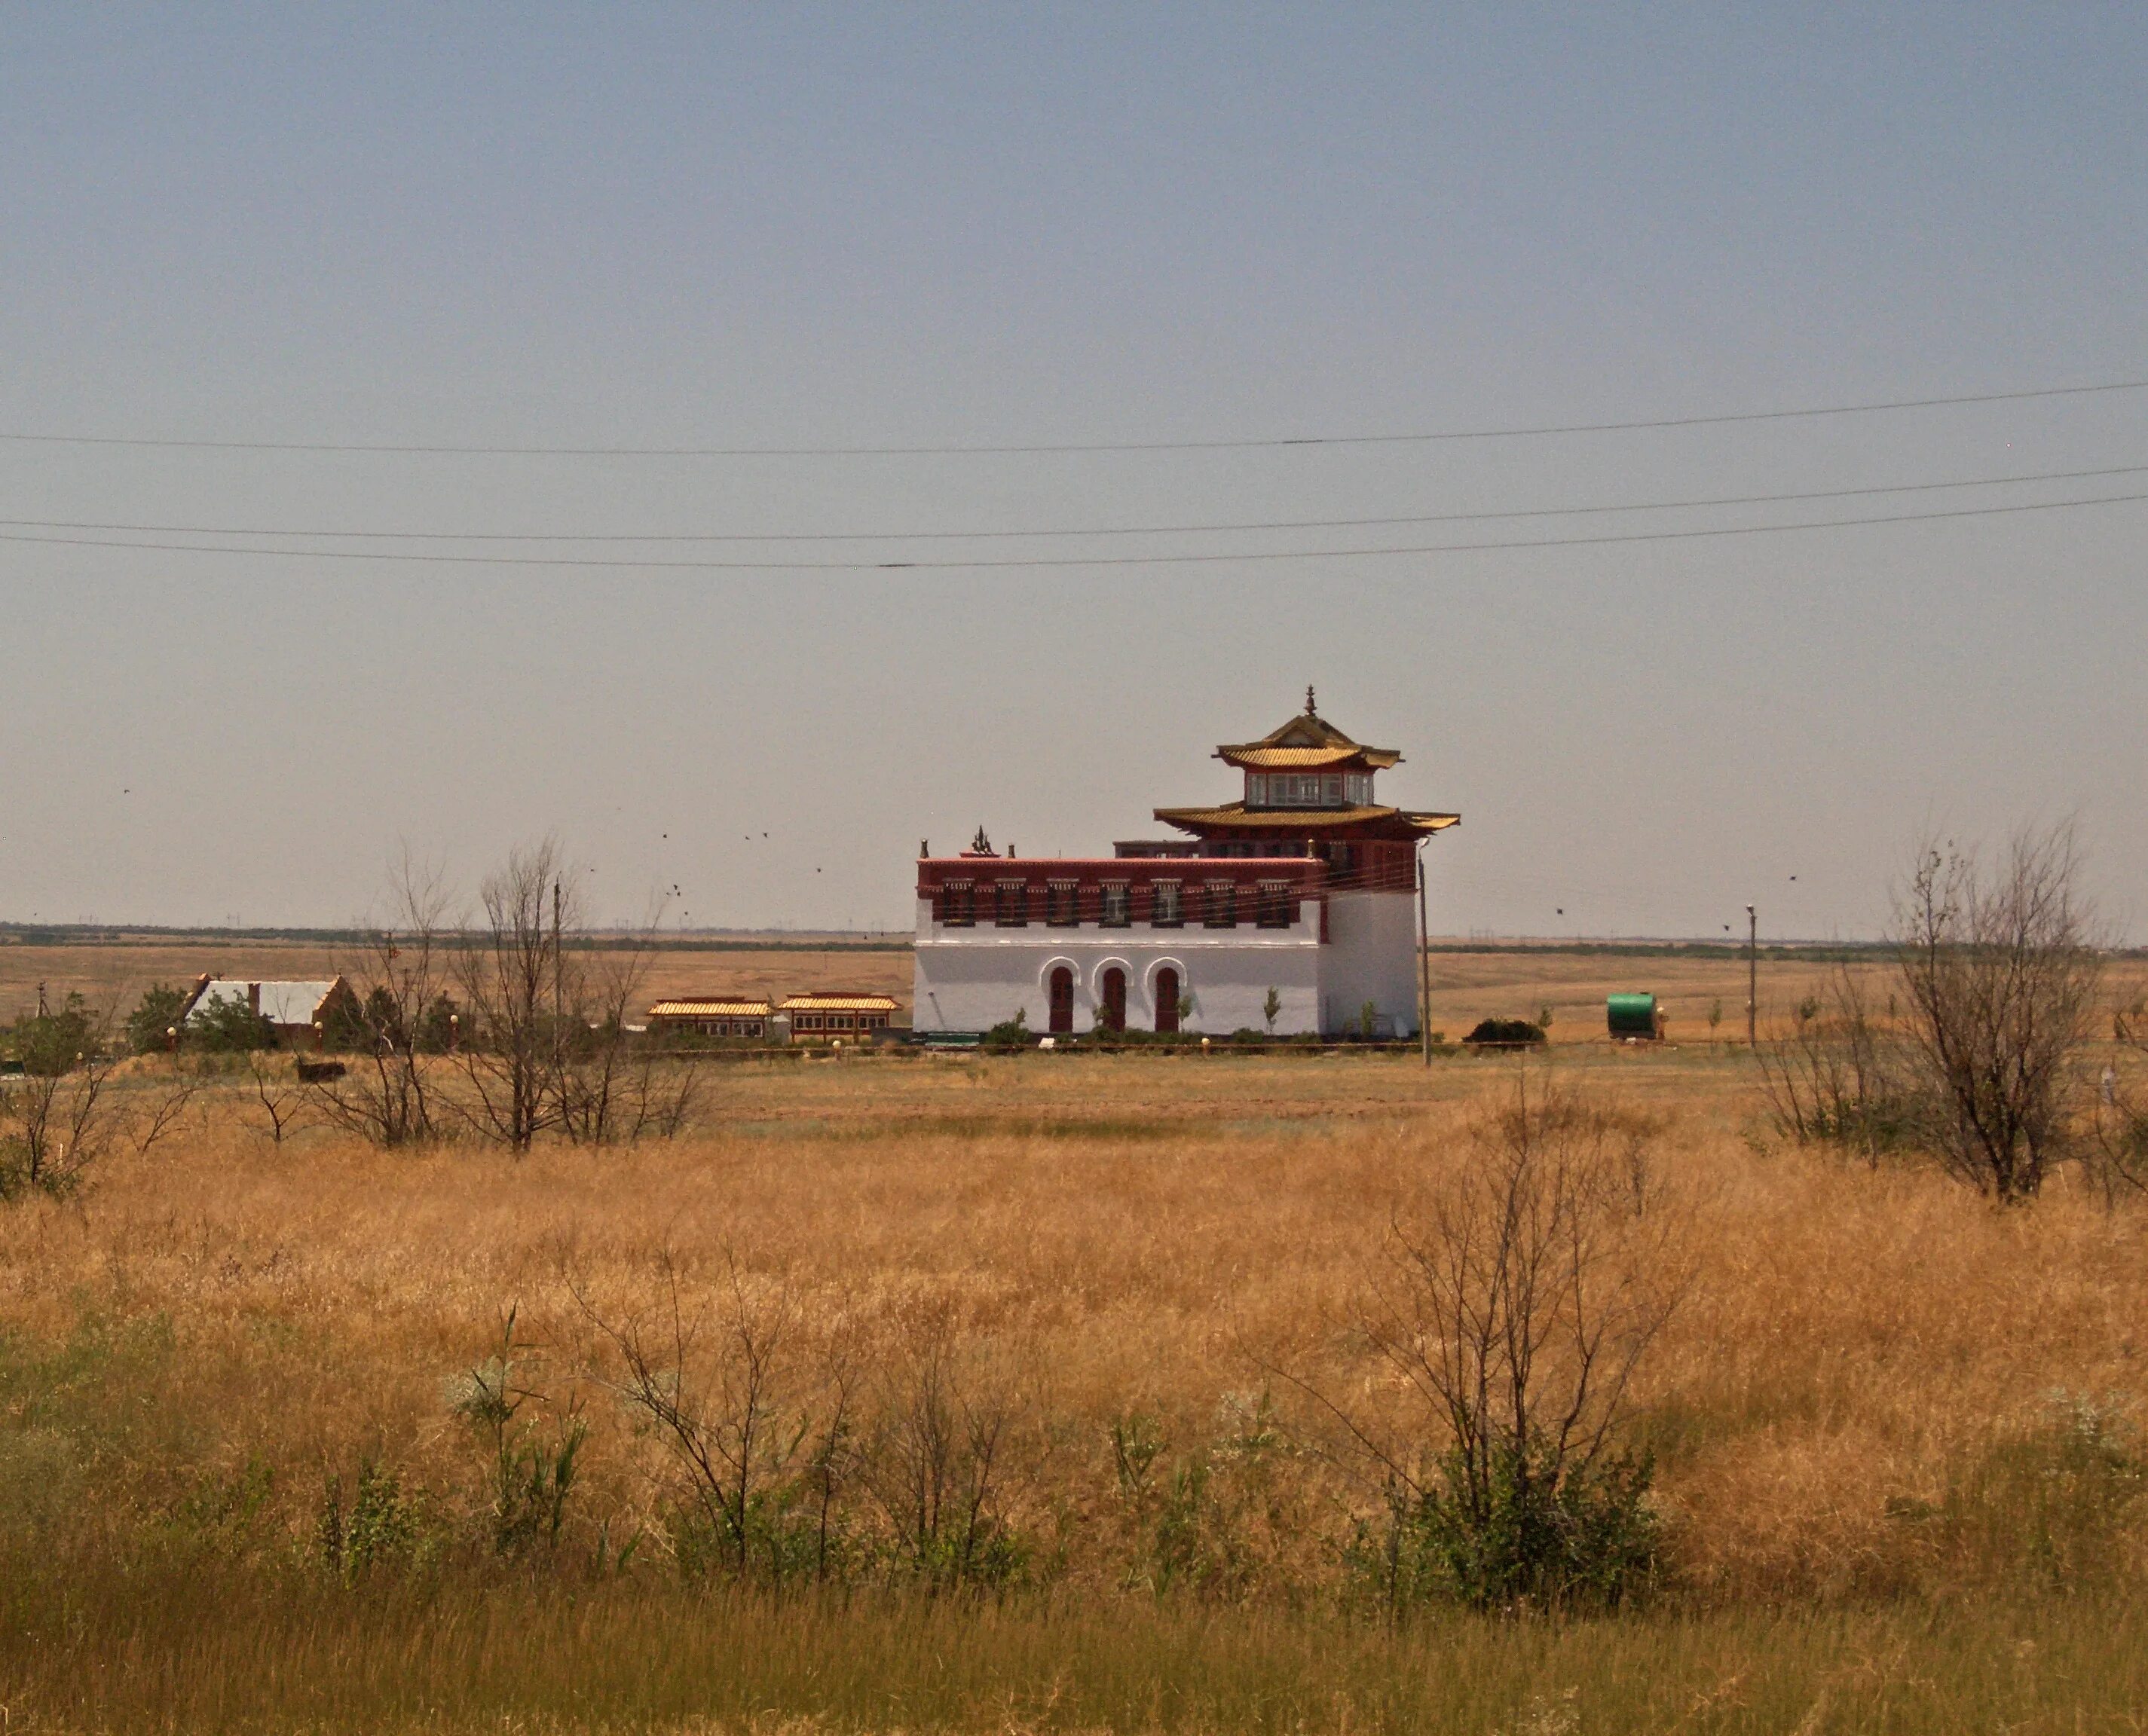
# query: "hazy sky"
{"points": [[845, 227]]}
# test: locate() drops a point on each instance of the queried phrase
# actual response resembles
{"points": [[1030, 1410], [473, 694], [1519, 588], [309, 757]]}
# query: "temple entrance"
{"points": [[1115, 998], [1061, 991], [1166, 999]]}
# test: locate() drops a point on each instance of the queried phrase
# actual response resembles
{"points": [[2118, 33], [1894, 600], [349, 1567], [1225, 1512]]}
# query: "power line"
{"points": [[1069, 560], [1042, 448], [898, 536]]}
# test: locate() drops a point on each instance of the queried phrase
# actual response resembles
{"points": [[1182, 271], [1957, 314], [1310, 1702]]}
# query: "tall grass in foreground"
{"points": [[178, 1653]]}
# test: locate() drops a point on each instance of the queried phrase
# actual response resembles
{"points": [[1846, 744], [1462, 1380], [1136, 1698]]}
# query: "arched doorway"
{"points": [[1115, 998], [1061, 987], [1166, 999]]}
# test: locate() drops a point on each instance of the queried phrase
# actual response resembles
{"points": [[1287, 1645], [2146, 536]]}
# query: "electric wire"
{"points": [[1044, 448], [896, 536], [1003, 563]]}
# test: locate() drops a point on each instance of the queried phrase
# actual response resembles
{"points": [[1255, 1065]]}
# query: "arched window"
{"points": [[1166, 999], [1115, 1000], [1061, 991]]}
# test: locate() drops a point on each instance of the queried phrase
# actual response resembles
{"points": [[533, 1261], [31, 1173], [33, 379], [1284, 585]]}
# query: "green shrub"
{"points": [[1506, 1034], [1525, 1534], [157, 1013]]}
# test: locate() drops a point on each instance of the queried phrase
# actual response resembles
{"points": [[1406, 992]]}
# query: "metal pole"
{"points": [[1424, 963], [1752, 979], [558, 998]]}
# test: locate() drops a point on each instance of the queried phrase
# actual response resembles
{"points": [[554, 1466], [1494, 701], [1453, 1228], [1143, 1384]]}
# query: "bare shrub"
{"points": [[2000, 969], [758, 1441], [512, 975], [1508, 1317], [937, 1463], [283, 1101], [387, 1095], [613, 1085], [1842, 1077]]}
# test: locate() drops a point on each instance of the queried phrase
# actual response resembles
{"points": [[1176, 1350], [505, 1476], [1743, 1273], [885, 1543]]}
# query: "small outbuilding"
{"points": [[711, 1016], [820, 1018]]}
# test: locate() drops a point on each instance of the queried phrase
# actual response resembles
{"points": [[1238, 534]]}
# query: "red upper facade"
{"points": [[1308, 823]]}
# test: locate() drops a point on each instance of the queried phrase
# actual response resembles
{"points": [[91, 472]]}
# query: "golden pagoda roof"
{"points": [[1301, 819], [839, 1003], [1306, 742], [709, 1008]]}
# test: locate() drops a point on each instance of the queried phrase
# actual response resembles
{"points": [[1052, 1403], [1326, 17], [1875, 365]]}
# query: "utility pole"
{"points": [[1752, 979], [1424, 963]]}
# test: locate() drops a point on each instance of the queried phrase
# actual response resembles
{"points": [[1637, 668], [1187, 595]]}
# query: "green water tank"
{"points": [[1631, 1014]]}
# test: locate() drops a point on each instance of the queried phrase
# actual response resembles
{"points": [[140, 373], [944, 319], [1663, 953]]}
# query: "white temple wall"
{"points": [[1371, 956], [972, 979]]}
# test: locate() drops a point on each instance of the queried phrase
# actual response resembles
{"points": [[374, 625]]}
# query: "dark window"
{"points": [[1163, 908], [1274, 911], [1220, 909], [1062, 908], [1010, 904], [958, 905], [1118, 906], [1166, 999], [1113, 1013], [1060, 989]]}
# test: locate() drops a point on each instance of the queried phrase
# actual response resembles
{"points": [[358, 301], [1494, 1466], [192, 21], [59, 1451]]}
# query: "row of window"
{"points": [[1308, 789], [839, 1021], [1215, 904], [717, 1027]]}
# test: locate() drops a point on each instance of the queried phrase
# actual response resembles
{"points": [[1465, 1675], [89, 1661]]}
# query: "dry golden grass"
{"points": [[1120, 1234], [1101, 1235]]}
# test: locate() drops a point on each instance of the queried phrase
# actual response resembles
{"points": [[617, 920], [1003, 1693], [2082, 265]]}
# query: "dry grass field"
{"points": [[1892, 1425]]}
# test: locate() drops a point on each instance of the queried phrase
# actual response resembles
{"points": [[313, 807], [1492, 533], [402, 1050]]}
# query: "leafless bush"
{"points": [[387, 1095], [58, 1117], [936, 1464], [2000, 969], [1841, 1077], [758, 1437], [613, 1085], [155, 1120], [283, 1101], [512, 973], [1508, 1316]]}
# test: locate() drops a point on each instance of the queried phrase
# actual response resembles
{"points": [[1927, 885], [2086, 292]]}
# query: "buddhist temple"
{"points": [[1290, 910]]}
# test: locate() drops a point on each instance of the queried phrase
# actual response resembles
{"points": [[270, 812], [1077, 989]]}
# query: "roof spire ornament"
{"points": [[1308, 698]]}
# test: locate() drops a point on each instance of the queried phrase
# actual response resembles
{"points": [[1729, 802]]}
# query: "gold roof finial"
{"points": [[1308, 698]]}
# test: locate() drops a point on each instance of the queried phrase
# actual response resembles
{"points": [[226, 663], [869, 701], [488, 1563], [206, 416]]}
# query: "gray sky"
{"points": [[645, 227]]}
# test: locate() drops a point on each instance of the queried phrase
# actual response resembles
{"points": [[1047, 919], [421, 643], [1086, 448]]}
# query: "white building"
{"points": [[1305, 886]]}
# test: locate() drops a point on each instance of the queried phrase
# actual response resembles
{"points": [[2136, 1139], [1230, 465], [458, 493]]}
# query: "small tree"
{"points": [[1271, 1009], [2000, 971], [224, 1022], [55, 1122], [148, 1025]]}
